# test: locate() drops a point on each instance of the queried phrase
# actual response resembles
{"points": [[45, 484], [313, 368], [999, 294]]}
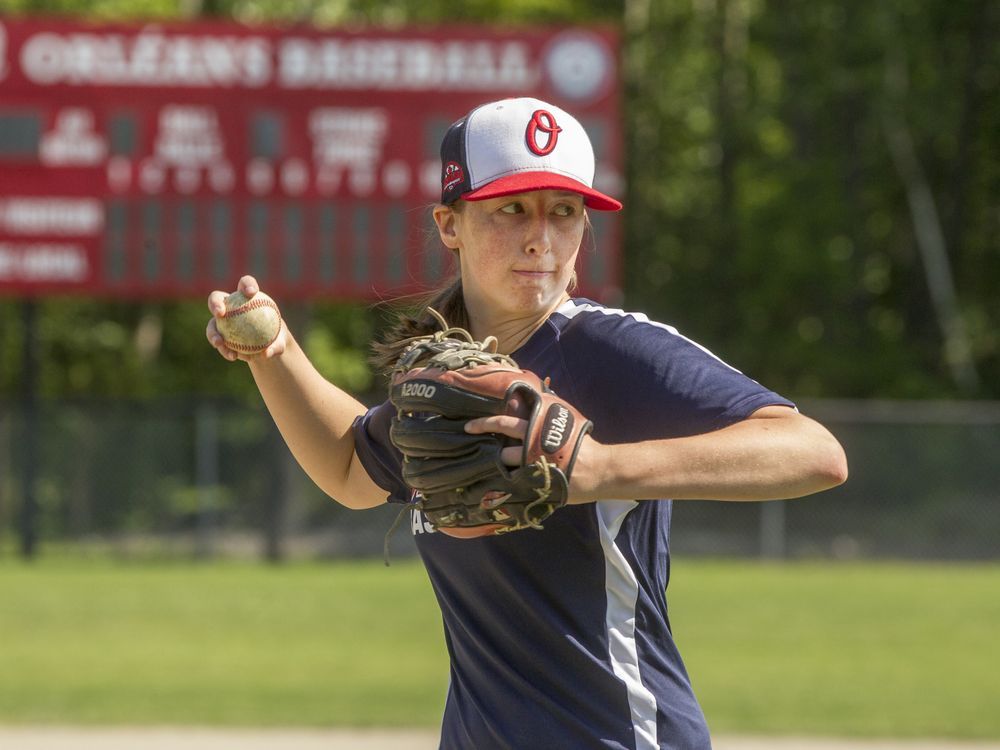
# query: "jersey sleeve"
{"points": [[378, 455], [637, 379]]}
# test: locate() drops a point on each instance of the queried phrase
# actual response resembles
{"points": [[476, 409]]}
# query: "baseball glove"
{"points": [[462, 486]]}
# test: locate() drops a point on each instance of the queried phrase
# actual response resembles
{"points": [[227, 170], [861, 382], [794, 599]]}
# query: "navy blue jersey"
{"points": [[560, 638]]}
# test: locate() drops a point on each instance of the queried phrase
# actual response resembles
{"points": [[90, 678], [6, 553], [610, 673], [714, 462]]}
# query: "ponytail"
{"points": [[412, 319]]}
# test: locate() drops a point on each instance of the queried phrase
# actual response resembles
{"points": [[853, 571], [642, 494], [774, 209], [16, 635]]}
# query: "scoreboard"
{"points": [[167, 160]]}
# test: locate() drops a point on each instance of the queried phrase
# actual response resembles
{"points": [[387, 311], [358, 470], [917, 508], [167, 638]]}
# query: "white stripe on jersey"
{"points": [[622, 589], [571, 308]]}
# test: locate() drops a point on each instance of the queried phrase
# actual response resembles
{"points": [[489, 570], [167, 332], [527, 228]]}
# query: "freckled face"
{"points": [[517, 253]]}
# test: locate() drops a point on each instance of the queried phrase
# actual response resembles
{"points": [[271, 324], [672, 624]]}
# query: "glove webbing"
{"points": [[451, 348], [454, 348]]}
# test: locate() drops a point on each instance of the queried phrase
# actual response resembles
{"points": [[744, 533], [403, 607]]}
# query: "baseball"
{"points": [[250, 325]]}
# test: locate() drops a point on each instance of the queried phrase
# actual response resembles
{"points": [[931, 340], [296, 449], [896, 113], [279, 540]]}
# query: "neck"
{"points": [[511, 331]]}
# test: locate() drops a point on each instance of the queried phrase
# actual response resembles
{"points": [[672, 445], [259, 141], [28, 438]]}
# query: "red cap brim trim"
{"points": [[524, 182]]}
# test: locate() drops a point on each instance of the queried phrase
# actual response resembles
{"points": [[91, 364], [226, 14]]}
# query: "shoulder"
{"points": [[620, 363], [586, 327]]}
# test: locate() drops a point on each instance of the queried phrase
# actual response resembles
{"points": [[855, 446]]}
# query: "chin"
{"points": [[531, 298]]}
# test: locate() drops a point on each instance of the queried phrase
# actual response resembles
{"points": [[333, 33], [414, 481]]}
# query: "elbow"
{"points": [[838, 471], [827, 458], [831, 468]]}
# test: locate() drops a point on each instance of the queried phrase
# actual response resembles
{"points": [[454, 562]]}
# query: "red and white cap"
{"points": [[516, 145]]}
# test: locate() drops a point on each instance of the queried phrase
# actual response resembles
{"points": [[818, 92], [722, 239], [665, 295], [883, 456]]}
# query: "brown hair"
{"points": [[412, 319]]}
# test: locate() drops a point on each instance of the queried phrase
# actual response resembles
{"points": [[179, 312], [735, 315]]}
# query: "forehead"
{"points": [[542, 196]]}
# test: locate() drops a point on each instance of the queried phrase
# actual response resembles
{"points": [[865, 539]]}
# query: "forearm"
{"points": [[315, 418], [777, 454]]}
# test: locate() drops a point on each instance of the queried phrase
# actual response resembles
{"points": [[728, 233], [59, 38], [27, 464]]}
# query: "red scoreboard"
{"points": [[167, 160]]}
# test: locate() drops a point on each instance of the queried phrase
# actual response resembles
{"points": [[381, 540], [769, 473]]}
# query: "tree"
{"points": [[766, 214]]}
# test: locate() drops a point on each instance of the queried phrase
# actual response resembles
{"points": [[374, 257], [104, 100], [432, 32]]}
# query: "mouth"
{"points": [[531, 273]]}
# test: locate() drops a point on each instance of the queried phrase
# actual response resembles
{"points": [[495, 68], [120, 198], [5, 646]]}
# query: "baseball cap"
{"points": [[516, 145]]}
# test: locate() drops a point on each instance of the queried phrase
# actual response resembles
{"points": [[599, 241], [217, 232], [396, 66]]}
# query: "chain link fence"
{"points": [[190, 478]]}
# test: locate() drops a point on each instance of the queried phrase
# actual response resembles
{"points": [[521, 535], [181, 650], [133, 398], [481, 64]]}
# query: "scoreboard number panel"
{"points": [[165, 161]]}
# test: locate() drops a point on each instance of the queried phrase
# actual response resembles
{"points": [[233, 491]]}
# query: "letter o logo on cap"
{"points": [[543, 121]]}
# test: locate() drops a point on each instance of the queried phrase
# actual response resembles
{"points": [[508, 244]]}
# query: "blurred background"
{"points": [[812, 191]]}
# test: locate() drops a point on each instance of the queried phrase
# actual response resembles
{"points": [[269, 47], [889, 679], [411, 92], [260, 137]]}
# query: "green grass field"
{"points": [[820, 648]]}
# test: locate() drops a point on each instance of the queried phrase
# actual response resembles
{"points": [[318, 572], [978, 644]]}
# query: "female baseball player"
{"points": [[558, 638]]}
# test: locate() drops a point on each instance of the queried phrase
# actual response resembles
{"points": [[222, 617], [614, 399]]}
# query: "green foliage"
{"points": [[337, 341], [765, 216], [123, 350], [398, 12], [106, 10]]}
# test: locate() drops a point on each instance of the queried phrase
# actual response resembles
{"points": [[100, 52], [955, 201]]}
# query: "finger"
{"points": [[248, 285], [504, 425], [516, 407], [277, 347], [217, 303], [212, 333], [511, 456], [218, 343]]}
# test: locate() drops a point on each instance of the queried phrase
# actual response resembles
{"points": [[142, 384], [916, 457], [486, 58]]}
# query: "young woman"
{"points": [[558, 638]]}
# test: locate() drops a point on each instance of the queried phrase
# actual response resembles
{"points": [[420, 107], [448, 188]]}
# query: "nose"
{"points": [[538, 240]]}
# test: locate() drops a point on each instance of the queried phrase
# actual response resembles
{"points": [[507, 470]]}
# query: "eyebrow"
{"points": [[559, 194]]}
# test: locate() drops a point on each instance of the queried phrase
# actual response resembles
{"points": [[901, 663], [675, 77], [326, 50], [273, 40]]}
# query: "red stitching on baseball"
{"points": [[247, 349], [247, 306], [253, 304]]}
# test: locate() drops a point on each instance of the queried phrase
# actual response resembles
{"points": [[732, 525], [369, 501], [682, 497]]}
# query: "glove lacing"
{"points": [[542, 468], [450, 348]]}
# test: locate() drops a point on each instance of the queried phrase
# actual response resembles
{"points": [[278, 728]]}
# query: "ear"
{"points": [[446, 219]]}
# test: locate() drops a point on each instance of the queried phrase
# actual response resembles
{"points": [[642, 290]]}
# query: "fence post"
{"points": [[29, 448], [297, 316], [7, 470], [772, 530], [276, 501], [207, 475]]}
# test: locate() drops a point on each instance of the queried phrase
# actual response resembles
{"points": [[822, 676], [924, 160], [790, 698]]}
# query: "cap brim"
{"points": [[524, 182]]}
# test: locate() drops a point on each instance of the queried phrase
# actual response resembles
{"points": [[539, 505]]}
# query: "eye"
{"points": [[568, 208], [512, 208]]}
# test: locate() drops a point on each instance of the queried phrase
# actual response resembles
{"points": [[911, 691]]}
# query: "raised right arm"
{"points": [[313, 415]]}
